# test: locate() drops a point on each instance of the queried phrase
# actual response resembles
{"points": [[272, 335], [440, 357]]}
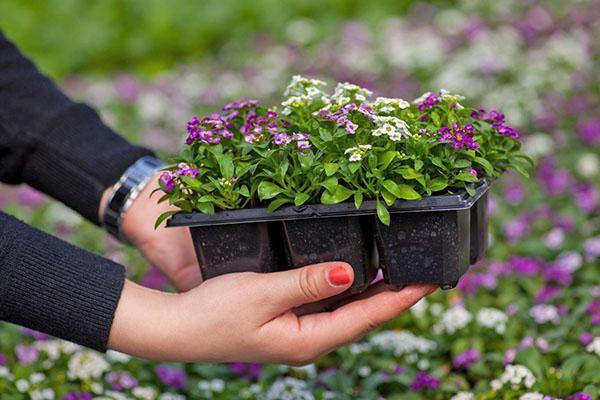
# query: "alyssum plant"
{"points": [[330, 148]]}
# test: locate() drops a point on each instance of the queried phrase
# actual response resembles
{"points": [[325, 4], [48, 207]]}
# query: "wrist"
{"points": [[147, 323], [117, 200]]}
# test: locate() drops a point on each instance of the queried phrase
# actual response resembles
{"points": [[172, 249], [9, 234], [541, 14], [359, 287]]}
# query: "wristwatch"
{"points": [[126, 190]]}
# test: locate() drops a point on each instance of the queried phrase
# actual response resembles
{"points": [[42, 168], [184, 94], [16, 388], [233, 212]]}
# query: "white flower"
{"points": [[422, 98], [86, 365], [364, 371], [542, 313], [436, 309], [5, 373], [96, 387], [357, 348], [594, 347], [394, 128], [492, 318], [171, 396], [289, 389], [516, 376], [357, 153], [346, 92], [389, 105], [451, 98], [419, 308], [554, 238], [588, 165], [423, 364], [144, 393], [22, 385], [44, 394], [463, 396], [532, 396], [117, 357], [455, 318], [355, 157], [37, 378], [212, 386], [112, 394], [402, 342]]}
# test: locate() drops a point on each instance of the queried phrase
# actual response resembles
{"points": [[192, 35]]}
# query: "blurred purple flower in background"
{"points": [[30, 197], [466, 358], [251, 371], [589, 131], [26, 354], [424, 381], [554, 180], [171, 376], [514, 193], [120, 380], [78, 396], [154, 279], [526, 266], [37, 335], [587, 197], [586, 338], [2, 359]]}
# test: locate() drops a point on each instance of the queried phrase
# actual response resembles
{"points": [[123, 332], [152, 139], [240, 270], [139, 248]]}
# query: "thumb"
{"points": [[309, 284]]}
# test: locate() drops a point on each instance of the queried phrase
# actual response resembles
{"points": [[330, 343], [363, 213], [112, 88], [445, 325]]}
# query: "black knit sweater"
{"points": [[63, 149]]}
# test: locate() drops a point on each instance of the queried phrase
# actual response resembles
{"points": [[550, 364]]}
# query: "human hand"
{"points": [[170, 250], [248, 317]]}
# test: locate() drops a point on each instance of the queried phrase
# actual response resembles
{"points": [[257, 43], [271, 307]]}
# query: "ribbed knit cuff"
{"points": [[79, 158], [51, 286]]}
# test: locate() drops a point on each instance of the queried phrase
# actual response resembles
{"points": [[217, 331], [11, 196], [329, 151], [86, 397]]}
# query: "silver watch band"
{"points": [[126, 190]]}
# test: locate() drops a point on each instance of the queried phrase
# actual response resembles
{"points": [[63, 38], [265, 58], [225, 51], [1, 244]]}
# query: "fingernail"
{"points": [[338, 276]]}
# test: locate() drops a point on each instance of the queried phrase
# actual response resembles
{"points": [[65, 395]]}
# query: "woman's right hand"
{"points": [[248, 317]]}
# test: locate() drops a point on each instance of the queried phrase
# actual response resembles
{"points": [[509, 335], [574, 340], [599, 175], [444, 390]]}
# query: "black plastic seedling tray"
{"points": [[433, 240]]}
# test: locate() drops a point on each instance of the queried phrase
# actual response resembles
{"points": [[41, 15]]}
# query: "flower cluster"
{"points": [[459, 136]]}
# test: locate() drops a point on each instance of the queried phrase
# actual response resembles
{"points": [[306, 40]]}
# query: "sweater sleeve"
{"points": [[51, 286], [60, 147]]}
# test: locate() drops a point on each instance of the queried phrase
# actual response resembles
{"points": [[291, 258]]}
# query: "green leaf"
{"points": [[331, 168], [340, 194], [462, 163], [325, 135], [532, 359], [226, 165], [486, 165], [163, 217], [410, 173], [268, 190], [383, 213], [418, 164], [301, 198], [358, 199], [385, 159], [277, 203], [354, 166], [330, 184], [466, 177], [190, 182], [388, 197], [438, 162], [401, 191], [206, 208], [437, 184]]}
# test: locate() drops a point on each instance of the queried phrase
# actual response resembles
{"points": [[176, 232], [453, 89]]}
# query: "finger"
{"points": [[292, 288], [327, 331]]}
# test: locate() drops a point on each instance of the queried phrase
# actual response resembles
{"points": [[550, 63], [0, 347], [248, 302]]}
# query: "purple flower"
{"points": [[120, 380], [587, 197], [30, 197], [547, 293], [209, 129], [2, 359], [251, 371], [525, 266], [341, 116], [509, 356], [471, 283], [166, 179], [589, 131], [128, 88], [579, 396], [26, 354], [154, 279], [558, 274], [78, 396], [555, 180], [185, 170], [496, 119], [466, 359], [594, 310], [459, 137], [35, 334], [429, 101], [514, 193], [586, 338], [424, 381], [472, 171], [171, 376], [239, 105], [592, 248]]}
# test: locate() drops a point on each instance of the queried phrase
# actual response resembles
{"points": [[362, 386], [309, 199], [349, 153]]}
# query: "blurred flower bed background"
{"points": [[524, 324]]}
